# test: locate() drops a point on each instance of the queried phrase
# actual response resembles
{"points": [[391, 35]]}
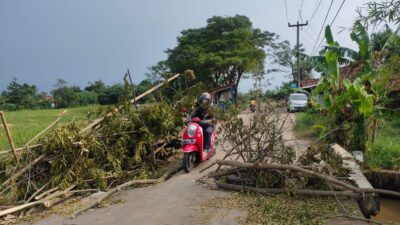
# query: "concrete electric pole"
{"points": [[298, 25]]}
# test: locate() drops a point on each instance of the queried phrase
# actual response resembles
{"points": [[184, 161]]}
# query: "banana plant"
{"points": [[347, 102]]}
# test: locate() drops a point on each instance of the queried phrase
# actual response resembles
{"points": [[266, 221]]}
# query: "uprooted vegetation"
{"points": [[131, 143], [258, 161]]}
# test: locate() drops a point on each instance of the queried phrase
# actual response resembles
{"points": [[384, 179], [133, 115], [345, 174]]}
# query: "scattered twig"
{"points": [[23, 170], [37, 192]]}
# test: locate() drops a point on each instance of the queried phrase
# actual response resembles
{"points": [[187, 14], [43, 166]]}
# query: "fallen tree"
{"points": [[123, 145], [323, 177]]}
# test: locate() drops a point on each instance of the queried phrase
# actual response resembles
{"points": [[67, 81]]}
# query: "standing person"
{"points": [[203, 112]]}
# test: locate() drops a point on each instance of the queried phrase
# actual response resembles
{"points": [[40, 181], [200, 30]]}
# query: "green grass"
{"points": [[27, 123], [385, 152], [309, 124]]}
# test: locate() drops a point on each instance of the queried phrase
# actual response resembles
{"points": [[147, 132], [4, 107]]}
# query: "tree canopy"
{"points": [[223, 52]]}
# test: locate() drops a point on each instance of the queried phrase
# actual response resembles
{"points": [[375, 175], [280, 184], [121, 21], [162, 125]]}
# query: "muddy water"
{"points": [[390, 211]]}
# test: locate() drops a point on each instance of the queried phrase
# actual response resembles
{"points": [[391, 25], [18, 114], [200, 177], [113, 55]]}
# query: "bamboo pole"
{"points": [[46, 129], [27, 145], [19, 208], [10, 139], [99, 120], [20, 149]]}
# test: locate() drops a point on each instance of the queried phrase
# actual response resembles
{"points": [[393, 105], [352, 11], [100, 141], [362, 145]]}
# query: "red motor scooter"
{"points": [[193, 145]]}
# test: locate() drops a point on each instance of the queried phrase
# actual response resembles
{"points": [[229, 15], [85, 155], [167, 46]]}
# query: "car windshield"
{"points": [[298, 97]]}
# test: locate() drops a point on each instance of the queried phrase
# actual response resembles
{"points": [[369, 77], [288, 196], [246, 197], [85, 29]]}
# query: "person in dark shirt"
{"points": [[203, 112]]}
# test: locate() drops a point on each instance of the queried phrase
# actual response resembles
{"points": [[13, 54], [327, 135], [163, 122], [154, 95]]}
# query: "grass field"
{"points": [[384, 153], [27, 123]]}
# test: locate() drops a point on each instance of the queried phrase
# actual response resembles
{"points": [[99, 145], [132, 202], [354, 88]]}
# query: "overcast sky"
{"points": [[86, 40]]}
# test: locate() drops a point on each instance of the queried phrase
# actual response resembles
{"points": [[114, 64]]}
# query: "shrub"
{"points": [[385, 151]]}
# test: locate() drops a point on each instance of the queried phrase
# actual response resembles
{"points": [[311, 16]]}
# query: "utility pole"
{"points": [[298, 25]]}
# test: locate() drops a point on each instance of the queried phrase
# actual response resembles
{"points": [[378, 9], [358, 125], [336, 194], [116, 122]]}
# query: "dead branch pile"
{"points": [[260, 162], [259, 141], [128, 143]]}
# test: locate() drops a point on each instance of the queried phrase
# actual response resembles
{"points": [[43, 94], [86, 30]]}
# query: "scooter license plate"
{"points": [[188, 141]]}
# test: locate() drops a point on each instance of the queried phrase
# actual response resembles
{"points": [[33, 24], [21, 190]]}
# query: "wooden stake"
{"points": [[10, 139]]}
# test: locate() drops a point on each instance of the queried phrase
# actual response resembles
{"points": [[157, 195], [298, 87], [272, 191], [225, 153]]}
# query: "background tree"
{"points": [[23, 96], [97, 87], [65, 96], [223, 52], [285, 57]]}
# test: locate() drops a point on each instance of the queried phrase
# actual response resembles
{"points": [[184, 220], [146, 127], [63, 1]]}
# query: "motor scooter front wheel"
{"points": [[189, 159]]}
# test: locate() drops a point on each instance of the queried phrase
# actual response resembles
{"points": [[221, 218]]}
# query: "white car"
{"points": [[297, 102]]}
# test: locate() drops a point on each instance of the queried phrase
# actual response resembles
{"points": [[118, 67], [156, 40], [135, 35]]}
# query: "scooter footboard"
{"points": [[190, 148]]}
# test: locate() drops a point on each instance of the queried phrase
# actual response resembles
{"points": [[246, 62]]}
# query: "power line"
{"points": [[301, 10], [322, 27], [337, 12], [314, 21], [341, 5], [301, 18], [287, 18], [316, 9]]}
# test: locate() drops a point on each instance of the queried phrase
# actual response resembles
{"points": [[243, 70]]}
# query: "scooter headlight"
{"points": [[191, 130]]}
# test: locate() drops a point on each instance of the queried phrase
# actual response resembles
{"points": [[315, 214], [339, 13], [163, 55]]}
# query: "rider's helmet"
{"points": [[205, 98]]}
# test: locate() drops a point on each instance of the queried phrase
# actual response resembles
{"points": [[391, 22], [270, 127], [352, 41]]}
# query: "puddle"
{"points": [[390, 211]]}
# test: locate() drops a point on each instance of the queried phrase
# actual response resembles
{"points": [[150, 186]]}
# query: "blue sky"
{"points": [[86, 40]]}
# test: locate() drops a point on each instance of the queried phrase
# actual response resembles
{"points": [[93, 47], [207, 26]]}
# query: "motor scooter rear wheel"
{"points": [[189, 159]]}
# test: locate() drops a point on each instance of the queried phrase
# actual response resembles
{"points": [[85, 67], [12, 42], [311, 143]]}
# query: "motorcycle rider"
{"points": [[252, 102], [203, 112]]}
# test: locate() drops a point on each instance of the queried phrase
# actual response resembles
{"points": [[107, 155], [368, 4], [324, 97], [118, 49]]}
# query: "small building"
{"points": [[222, 96], [309, 84], [393, 85]]}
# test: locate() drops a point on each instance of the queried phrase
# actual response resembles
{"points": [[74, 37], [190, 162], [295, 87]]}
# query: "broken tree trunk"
{"points": [[266, 191], [308, 172], [97, 121]]}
